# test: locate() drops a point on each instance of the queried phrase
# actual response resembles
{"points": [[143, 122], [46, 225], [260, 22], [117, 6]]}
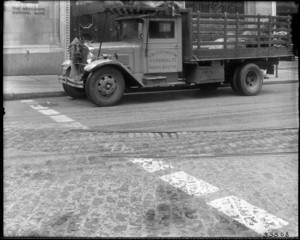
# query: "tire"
{"points": [[76, 93], [249, 80], [233, 80], [105, 87], [209, 87]]}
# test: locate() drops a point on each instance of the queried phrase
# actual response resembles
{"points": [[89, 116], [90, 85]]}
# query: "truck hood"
{"points": [[113, 47]]}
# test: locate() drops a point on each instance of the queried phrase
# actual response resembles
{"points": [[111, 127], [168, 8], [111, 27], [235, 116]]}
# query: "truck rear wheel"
{"points": [[209, 87], [234, 79], [105, 87], [74, 92], [249, 80]]}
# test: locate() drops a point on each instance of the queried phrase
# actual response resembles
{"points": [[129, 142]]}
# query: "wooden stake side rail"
{"points": [[234, 36], [241, 54]]}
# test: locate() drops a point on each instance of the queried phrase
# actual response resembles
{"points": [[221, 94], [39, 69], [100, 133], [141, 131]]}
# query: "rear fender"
{"points": [[129, 78]]}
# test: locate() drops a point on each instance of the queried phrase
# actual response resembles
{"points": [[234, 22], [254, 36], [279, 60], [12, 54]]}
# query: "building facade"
{"points": [[37, 33]]}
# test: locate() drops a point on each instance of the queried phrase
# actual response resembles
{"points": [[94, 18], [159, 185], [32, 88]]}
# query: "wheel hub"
{"points": [[251, 79], [107, 86]]}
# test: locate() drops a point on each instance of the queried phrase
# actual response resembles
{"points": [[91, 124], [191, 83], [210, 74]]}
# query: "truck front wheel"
{"points": [[249, 80], [73, 92], [105, 87]]}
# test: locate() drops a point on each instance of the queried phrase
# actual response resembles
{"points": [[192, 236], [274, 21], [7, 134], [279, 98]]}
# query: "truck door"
{"points": [[163, 45]]}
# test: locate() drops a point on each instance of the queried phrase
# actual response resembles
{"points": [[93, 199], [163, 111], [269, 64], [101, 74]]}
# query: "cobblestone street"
{"points": [[152, 144], [89, 183]]}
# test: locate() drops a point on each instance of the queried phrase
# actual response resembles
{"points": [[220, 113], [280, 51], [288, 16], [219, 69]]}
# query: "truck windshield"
{"points": [[131, 29]]}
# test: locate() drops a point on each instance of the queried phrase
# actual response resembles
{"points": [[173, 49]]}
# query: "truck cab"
{"points": [[150, 47], [148, 54]]}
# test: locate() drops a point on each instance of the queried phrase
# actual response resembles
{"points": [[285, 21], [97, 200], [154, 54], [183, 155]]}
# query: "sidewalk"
{"points": [[24, 87]]}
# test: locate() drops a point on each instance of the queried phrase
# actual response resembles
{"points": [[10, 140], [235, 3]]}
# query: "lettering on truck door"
{"points": [[164, 46]]}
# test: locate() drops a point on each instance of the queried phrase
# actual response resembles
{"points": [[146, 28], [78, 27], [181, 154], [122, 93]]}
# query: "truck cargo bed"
{"points": [[236, 36]]}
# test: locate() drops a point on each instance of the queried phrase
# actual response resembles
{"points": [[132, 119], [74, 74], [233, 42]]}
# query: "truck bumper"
{"points": [[70, 81]]}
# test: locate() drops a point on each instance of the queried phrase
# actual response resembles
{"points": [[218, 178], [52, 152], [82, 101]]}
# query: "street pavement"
{"points": [[65, 177], [74, 170]]}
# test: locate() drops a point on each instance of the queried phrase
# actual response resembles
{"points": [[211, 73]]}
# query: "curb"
{"points": [[279, 82], [19, 96]]}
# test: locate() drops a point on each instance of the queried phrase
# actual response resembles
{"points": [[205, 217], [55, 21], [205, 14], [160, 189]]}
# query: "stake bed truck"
{"points": [[161, 47]]}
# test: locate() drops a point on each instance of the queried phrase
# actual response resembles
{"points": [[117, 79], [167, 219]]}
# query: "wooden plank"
{"points": [[216, 23], [248, 23], [210, 21], [233, 16], [225, 31], [248, 29], [211, 29], [198, 32], [270, 29], [209, 15], [237, 32], [220, 54], [259, 33], [249, 36], [209, 43]]}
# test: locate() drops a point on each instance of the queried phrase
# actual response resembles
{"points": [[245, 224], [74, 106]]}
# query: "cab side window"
{"points": [[161, 29]]}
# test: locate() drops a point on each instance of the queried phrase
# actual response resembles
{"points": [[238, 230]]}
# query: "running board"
{"points": [[167, 84], [154, 80]]}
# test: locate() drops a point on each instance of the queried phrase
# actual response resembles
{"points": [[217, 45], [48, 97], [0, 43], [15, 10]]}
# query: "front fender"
{"points": [[110, 62], [68, 64], [101, 62]]}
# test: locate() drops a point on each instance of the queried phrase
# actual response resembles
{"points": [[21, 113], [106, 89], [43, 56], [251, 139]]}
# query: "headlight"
{"points": [[90, 57]]}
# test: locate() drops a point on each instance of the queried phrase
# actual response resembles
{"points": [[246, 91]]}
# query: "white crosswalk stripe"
{"points": [[252, 217]]}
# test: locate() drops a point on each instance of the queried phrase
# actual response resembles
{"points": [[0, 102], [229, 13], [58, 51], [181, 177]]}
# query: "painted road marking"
{"points": [[151, 165], [38, 107], [189, 184], [61, 118], [252, 217], [56, 116], [28, 101], [49, 112]]}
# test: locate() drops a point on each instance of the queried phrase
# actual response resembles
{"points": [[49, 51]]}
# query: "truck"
{"points": [[165, 47]]}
